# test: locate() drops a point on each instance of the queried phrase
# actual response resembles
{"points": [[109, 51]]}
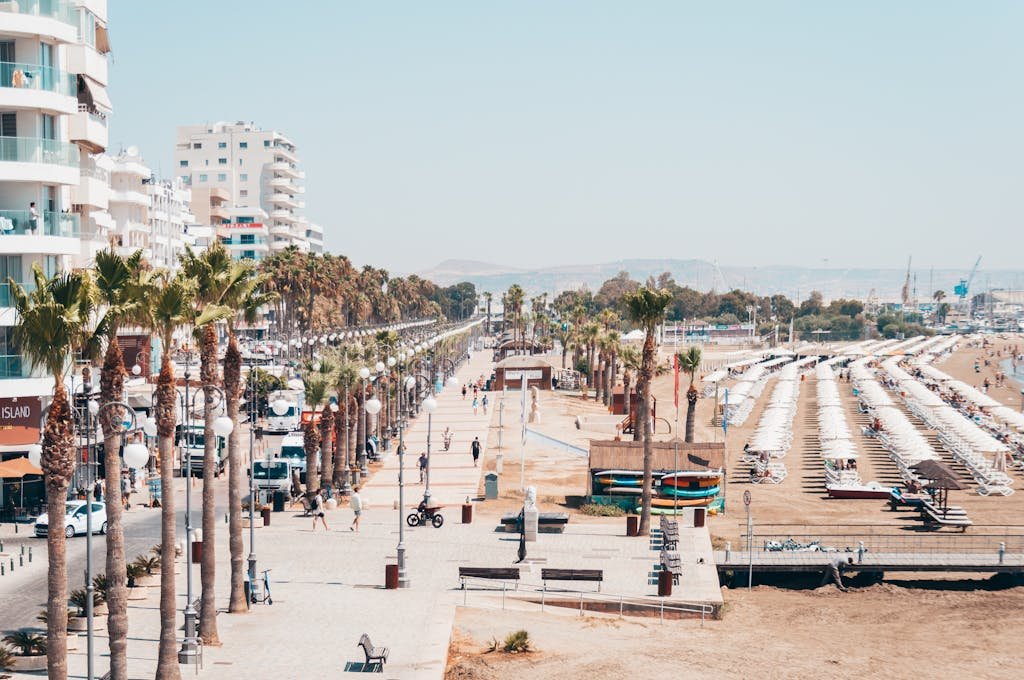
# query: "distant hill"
{"points": [[770, 280]]}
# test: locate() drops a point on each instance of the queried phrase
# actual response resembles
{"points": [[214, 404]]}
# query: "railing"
{"points": [[13, 366], [241, 242], [95, 115], [61, 10], [20, 222], [35, 150], [850, 539], [96, 173], [36, 77], [598, 602]]}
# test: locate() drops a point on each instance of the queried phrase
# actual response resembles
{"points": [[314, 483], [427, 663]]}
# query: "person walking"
{"points": [[464, 390], [423, 465], [356, 503], [476, 405], [476, 450], [317, 506], [484, 402], [126, 490], [97, 490]]}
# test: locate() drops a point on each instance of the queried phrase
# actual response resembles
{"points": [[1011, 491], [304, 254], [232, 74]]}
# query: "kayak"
{"points": [[619, 481], [714, 508], [680, 502], [625, 490], [684, 483], [690, 493]]}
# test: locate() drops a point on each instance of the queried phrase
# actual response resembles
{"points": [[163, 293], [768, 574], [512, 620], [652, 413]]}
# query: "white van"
{"points": [[273, 475], [293, 450]]}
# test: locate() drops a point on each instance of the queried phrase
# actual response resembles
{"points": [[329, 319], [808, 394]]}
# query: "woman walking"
{"points": [[317, 506], [476, 405], [356, 503]]}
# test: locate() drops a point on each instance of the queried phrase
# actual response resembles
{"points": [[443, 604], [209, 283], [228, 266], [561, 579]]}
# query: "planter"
{"points": [[147, 581], [257, 522], [137, 593], [29, 663], [72, 641]]}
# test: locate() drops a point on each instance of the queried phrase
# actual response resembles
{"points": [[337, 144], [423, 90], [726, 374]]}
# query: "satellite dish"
{"points": [[132, 151]]}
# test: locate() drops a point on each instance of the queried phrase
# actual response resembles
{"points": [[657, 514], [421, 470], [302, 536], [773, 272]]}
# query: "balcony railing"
{"points": [[229, 241], [61, 10], [34, 150], [36, 77], [13, 366], [14, 222], [95, 115], [96, 173]]}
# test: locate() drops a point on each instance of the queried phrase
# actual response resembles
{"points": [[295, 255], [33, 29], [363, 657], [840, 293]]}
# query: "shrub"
{"points": [[100, 586], [597, 510], [150, 564], [6, 658], [517, 642], [134, 571], [79, 599], [26, 642]]}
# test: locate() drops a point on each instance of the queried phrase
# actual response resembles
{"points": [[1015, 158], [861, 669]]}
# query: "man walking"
{"points": [[476, 450], [356, 503], [423, 465]]}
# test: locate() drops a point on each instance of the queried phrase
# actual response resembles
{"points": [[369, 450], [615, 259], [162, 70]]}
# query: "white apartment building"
{"points": [[315, 236], [257, 171], [53, 106]]}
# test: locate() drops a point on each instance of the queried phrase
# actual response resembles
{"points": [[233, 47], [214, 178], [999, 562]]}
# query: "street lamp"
{"points": [[429, 405], [364, 375]]}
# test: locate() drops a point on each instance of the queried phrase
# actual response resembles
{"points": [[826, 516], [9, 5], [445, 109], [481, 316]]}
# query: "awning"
{"points": [[93, 94], [102, 39], [16, 468]]}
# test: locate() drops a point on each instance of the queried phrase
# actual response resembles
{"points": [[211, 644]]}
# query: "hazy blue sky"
{"points": [[539, 132]]}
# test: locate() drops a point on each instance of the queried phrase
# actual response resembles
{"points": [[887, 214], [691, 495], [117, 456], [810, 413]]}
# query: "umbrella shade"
{"points": [[940, 475], [16, 468]]}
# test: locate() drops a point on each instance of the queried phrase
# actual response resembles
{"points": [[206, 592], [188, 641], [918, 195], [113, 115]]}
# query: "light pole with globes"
{"points": [[364, 375]]}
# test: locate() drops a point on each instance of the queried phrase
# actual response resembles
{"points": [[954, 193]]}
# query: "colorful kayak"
{"points": [[680, 502], [624, 490], [683, 483], [689, 493], [713, 508], [619, 481]]}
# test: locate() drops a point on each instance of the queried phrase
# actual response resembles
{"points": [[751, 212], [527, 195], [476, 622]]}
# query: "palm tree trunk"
{"points": [[58, 463], [691, 410], [326, 446], [338, 469], [311, 444], [166, 400], [627, 380], [360, 425], [208, 566], [232, 391], [643, 414], [112, 390]]}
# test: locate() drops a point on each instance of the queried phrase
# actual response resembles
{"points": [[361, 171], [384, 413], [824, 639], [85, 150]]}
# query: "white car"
{"points": [[75, 518]]}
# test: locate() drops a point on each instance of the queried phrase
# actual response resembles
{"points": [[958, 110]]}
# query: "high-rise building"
{"points": [[53, 107], [245, 182]]}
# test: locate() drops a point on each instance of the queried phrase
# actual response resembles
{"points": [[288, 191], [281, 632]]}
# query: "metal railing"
{"points": [[37, 77], [1010, 539], [61, 10], [625, 603], [38, 150], [49, 223], [13, 366]]}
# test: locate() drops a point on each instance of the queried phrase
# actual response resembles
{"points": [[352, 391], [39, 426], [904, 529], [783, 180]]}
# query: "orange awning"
{"points": [[16, 468]]}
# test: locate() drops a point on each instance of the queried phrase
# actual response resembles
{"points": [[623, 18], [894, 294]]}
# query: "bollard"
{"points": [[1002, 552], [30, 554], [22, 548], [860, 551], [1, 546], [21, 560], [12, 564], [2, 569], [728, 551]]}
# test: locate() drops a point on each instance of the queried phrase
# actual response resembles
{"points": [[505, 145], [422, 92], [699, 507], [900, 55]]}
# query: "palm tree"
{"points": [[316, 393], [119, 284], [515, 295], [611, 345], [689, 362], [345, 381], [647, 308], [211, 272], [630, 363], [488, 297], [169, 308], [566, 336], [52, 323], [588, 339]]}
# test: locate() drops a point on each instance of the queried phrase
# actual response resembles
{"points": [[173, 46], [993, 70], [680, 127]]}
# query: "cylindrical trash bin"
{"points": [[664, 583], [698, 516], [467, 513], [197, 552], [390, 576], [265, 512], [632, 525], [279, 501]]}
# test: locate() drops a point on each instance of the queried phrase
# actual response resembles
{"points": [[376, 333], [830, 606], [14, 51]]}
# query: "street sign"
{"points": [[746, 498]]}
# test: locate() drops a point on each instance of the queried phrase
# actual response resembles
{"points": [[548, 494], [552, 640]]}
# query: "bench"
{"points": [[493, 573], [669, 533], [547, 522], [671, 562], [378, 655], [592, 575]]}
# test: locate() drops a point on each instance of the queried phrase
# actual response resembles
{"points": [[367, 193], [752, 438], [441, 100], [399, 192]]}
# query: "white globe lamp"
{"points": [[136, 455], [429, 404], [94, 408], [373, 406], [380, 367], [391, 362], [410, 383], [223, 426], [452, 381], [35, 454], [364, 373], [279, 407], [149, 427]]}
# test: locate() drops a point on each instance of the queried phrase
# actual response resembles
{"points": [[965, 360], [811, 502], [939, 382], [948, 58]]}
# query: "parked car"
{"points": [[75, 518]]}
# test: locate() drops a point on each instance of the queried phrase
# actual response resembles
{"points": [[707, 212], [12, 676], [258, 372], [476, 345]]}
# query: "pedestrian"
{"points": [[97, 490], [484, 402], [317, 507], [423, 465], [476, 390], [476, 450], [356, 503], [126, 490], [33, 217], [464, 390], [476, 404]]}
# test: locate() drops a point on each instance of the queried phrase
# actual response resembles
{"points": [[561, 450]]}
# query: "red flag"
{"points": [[675, 369]]}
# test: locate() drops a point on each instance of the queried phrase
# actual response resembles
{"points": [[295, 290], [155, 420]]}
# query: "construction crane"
{"points": [[964, 287], [906, 288]]}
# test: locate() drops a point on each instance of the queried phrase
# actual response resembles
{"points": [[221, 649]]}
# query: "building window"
{"points": [[221, 177], [222, 145], [248, 239], [243, 145], [182, 164], [244, 177], [203, 178], [244, 193], [222, 161], [266, 143]]}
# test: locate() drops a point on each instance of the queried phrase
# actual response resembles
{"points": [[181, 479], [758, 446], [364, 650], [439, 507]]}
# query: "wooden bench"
{"points": [[378, 655], [492, 573], [547, 522], [669, 533], [671, 562], [592, 575]]}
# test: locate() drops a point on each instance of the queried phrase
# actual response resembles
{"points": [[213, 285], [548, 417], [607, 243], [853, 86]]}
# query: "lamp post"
{"points": [[364, 375], [252, 481]]}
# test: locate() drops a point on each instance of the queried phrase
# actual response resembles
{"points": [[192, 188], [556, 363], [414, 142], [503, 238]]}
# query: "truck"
{"points": [[273, 475], [291, 419], [293, 450], [192, 441]]}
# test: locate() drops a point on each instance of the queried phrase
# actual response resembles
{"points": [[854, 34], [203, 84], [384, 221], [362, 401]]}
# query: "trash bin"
{"points": [[467, 513], [491, 486], [279, 501], [632, 525], [699, 516], [197, 552], [265, 513], [390, 576], [664, 583]]}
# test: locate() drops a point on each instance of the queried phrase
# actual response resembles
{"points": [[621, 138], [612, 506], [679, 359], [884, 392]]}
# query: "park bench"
{"points": [[547, 522], [374, 655], [493, 573], [669, 533], [592, 575], [671, 562]]}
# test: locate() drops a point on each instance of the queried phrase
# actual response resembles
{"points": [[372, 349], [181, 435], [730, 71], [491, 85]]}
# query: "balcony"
{"points": [[283, 182], [131, 197], [89, 128], [31, 86], [56, 18], [85, 60], [30, 159], [18, 223], [7, 298], [283, 215], [220, 194], [91, 191], [128, 251], [219, 211], [13, 366], [287, 153], [280, 198]]}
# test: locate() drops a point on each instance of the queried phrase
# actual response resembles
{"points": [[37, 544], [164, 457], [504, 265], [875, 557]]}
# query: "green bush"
{"points": [[6, 658], [517, 642], [26, 642], [595, 510]]}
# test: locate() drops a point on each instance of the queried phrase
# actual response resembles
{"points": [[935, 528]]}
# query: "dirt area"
{"points": [[766, 633]]}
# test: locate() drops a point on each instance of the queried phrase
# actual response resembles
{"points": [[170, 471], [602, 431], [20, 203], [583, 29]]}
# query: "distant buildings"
{"points": [[245, 183]]}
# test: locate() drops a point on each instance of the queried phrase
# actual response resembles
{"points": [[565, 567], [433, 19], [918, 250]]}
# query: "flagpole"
{"points": [[522, 439], [675, 440]]}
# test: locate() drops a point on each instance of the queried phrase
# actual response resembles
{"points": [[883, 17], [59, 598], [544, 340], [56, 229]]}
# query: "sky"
{"points": [[546, 132]]}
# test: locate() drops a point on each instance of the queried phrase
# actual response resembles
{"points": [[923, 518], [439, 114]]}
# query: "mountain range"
{"points": [[794, 282]]}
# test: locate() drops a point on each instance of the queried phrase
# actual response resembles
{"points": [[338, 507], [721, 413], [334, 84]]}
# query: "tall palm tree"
{"points": [[211, 272], [646, 308], [689, 362], [516, 295], [588, 338], [316, 392], [630, 364], [52, 323], [169, 308], [345, 381], [611, 345], [118, 283]]}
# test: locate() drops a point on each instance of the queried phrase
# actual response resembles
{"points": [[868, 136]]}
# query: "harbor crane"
{"points": [[964, 287]]}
